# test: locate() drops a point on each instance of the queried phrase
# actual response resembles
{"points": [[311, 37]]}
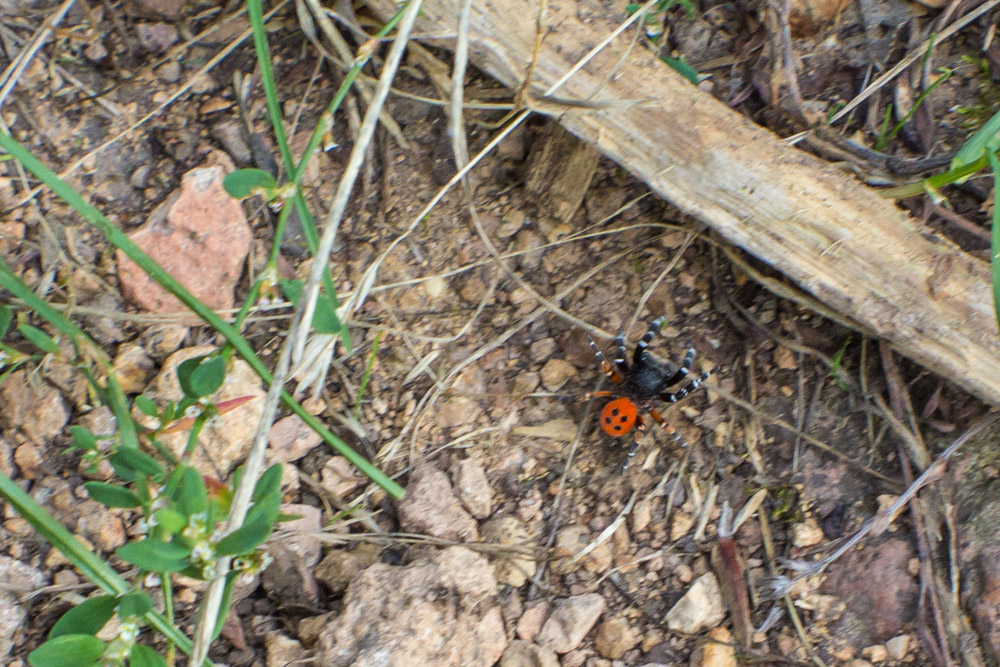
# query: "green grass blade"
{"points": [[995, 245]]}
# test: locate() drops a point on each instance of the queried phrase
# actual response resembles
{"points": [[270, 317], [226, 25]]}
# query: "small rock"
{"points": [[784, 358], [156, 37], [642, 514], [231, 135], [528, 243], [569, 542], [35, 408], [16, 579], [291, 577], [403, 607], [473, 289], [473, 488], [28, 459], [525, 383], [430, 507], [200, 236], [162, 341], [615, 637], [525, 654], [542, 349], [310, 628], [700, 608], [340, 566], [717, 652], [807, 534], [458, 411], [105, 531], [11, 235], [95, 52], [510, 568], [291, 438], [880, 603], [435, 287], [6, 457], [876, 653], [530, 623], [897, 647], [283, 651], [555, 373], [681, 524], [570, 622], [133, 368], [806, 17], [339, 476]]}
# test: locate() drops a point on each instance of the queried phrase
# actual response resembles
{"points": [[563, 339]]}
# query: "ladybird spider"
{"points": [[639, 384]]}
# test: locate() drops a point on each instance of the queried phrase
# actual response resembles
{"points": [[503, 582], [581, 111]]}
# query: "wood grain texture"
{"points": [[835, 237]]}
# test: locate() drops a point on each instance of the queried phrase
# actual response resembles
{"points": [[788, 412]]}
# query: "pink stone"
{"points": [[200, 236]]}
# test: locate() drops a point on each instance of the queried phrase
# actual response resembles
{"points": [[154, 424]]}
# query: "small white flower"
{"points": [[129, 631], [152, 580], [202, 551], [192, 411]]}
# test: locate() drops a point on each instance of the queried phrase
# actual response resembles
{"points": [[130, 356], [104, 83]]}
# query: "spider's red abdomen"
{"points": [[618, 417]]}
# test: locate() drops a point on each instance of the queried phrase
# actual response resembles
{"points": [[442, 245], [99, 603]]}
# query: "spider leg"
{"points": [[670, 430], [684, 369], [640, 428], [640, 348], [620, 352], [596, 394], [605, 366], [673, 397]]}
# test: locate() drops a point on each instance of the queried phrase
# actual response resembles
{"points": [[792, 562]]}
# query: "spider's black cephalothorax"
{"points": [[640, 383]]}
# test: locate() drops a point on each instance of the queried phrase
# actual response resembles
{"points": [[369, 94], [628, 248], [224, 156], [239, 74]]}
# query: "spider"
{"points": [[639, 384]]}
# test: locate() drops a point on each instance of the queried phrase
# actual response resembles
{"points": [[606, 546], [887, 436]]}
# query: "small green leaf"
{"points": [[86, 618], [245, 538], [83, 438], [986, 139], [170, 521], [201, 376], [266, 509], [132, 459], [146, 406], [135, 603], [682, 68], [143, 656], [6, 315], [39, 338], [67, 651], [325, 318], [268, 483], [155, 555], [112, 495], [245, 182], [191, 495]]}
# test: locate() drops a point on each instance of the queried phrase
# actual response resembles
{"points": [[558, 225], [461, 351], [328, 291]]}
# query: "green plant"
{"points": [[191, 524]]}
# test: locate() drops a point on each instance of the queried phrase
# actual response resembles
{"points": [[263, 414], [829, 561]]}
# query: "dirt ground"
{"points": [[483, 357]]}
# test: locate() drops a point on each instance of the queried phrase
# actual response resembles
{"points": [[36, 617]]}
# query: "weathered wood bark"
{"points": [[838, 239]]}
